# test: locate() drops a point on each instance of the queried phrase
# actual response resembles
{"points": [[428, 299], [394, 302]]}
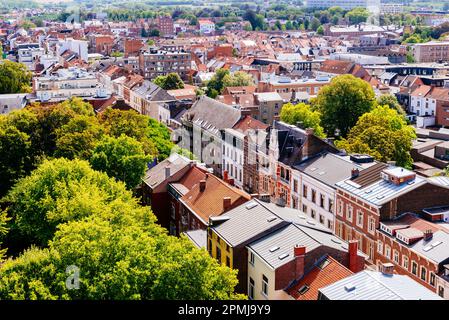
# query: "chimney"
{"points": [[225, 176], [355, 173], [231, 181], [226, 204], [352, 251], [300, 253], [310, 131], [202, 185], [167, 172], [387, 269], [428, 235]]}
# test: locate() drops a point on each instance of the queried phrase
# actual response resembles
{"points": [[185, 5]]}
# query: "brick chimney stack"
{"points": [[310, 131], [226, 204], [225, 176], [167, 172], [352, 251], [202, 185], [300, 253], [428, 235], [355, 173]]}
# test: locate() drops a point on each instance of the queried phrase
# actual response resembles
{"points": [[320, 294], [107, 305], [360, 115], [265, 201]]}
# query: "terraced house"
{"points": [[385, 209]]}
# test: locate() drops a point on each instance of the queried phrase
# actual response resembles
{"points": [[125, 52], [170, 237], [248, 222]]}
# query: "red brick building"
{"points": [[375, 208], [132, 47], [102, 44], [165, 25]]}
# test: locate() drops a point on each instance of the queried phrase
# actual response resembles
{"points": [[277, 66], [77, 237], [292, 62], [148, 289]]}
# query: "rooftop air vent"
{"points": [[283, 256]]}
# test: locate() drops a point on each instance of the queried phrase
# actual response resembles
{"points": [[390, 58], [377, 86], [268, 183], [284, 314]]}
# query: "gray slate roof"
{"points": [[211, 114], [247, 221], [328, 168], [153, 92], [286, 238], [156, 175], [436, 249], [381, 191], [198, 237], [370, 285]]}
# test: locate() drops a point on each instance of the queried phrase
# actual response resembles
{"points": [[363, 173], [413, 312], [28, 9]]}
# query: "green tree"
{"points": [[97, 226], [3, 231], [169, 82], [117, 54], [154, 33], [54, 117], [27, 25], [58, 191], [342, 102], [391, 101], [320, 30], [302, 113], [122, 158], [78, 137], [382, 133], [357, 15], [14, 77], [215, 85], [315, 24], [130, 123], [20, 146], [237, 79]]}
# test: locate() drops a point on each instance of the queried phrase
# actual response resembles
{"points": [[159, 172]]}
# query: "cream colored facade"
{"points": [[256, 272]]}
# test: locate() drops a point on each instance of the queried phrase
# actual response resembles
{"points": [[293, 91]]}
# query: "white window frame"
{"points": [[388, 251], [360, 213], [396, 255], [371, 225], [264, 286], [405, 262], [380, 247], [349, 212], [251, 258]]}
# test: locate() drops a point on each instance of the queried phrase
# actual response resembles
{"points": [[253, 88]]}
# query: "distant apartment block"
{"points": [[344, 4], [431, 51], [155, 63], [165, 25], [66, 83], [206, 26]]}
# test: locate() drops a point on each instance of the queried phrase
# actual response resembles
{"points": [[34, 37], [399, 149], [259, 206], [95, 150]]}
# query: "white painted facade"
{"points": [[233, 156], [317, 201], [258, 288], [423, 105]]}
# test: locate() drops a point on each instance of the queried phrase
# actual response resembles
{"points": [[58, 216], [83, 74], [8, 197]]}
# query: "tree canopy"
{"points": [[357, 15], [382, 133], [14, 77], [237, 79], [169, 82], [93, 224], [391, 101], [71, 130], [215, 85], [342, 102], [304, 115], [122, 158]]}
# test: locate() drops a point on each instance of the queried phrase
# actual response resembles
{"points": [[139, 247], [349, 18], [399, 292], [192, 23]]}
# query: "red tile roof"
{"points": [[247, 123], [322, 275], [192, 177], [209, 202]]}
